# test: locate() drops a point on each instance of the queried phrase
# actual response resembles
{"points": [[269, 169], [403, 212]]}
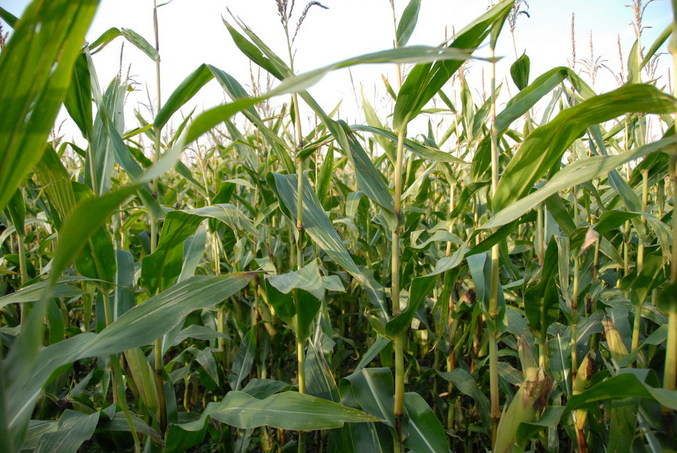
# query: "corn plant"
{"points": [[245, 280]]}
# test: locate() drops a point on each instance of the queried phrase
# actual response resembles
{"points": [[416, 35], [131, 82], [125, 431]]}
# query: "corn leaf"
{"points": [[36, 69], [287, 410]]}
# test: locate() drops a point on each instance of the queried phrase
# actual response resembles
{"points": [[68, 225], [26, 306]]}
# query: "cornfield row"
{"points": [[504, 283]]}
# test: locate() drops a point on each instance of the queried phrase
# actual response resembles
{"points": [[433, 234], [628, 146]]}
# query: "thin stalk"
{"points": [[398, 344], [23, 271], [157, 349], [640, 262], [574, 299], [670, 374], [540, 235], [300, 356], [493, 294]]}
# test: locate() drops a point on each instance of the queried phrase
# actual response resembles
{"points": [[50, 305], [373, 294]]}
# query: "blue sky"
{"points": [[192, 32]]}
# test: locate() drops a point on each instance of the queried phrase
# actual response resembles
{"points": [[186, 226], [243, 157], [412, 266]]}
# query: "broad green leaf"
{"points": [[541, 304], [307, 278], [576, 173], [369, 179], [425, 80], [16, 208], [422, 151], [319, 378], [519, 71], [162, 267], [123, 299], [420, 288], [413, 54], [650, 276], [79, 99], [287, 410], [101, 156], [131, 36], [325, 177], [465, 383], [45, 45], [623, 423], [407, 23], [73, 429], [244, 360], [544, 147], [144, 379], [659, 41], [373, 352], [426, 433], [139, 326], [8, 17], [263, 388], [183, 93], [320, 229], [34, 291], [372, 389], [621, 386]]}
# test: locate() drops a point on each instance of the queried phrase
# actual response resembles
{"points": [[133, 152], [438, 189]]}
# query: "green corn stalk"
{"points": [[670, 373], [495, 251], [158, 365]]}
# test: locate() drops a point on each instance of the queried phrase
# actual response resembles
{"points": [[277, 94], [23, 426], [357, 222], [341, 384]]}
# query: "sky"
{"points": [[192, 32]]}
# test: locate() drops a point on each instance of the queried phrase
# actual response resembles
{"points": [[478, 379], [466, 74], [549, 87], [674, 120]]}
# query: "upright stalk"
{"points": [[398, 342], [640, 262], [398, 410], [493, 294], [670, 374], [157, 350]]}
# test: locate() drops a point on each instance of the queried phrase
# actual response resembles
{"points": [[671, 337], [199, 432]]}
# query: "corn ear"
{"points": [[580, 384], [617, 348], [524, 408]]}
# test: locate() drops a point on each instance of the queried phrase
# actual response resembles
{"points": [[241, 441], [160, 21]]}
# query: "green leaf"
{"points": [[519, 71], [131, 36], [422, 151], [100, 156], [73, 429], [123, 300], [576, 173], [545, 146], [465, 383], [541, 304], [183, 93], [144, 379], [425, 80], [426, 433], [325, 177], [287, 410], [16, 208], [621, 386], [322, 232], [242, 365], [420, 288], [372, 389], [45, 45], [307, 278], [34, 291], [79, 99], [308, 291], [8, 17], [139, 326], [161, 268], [407, 23]]}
